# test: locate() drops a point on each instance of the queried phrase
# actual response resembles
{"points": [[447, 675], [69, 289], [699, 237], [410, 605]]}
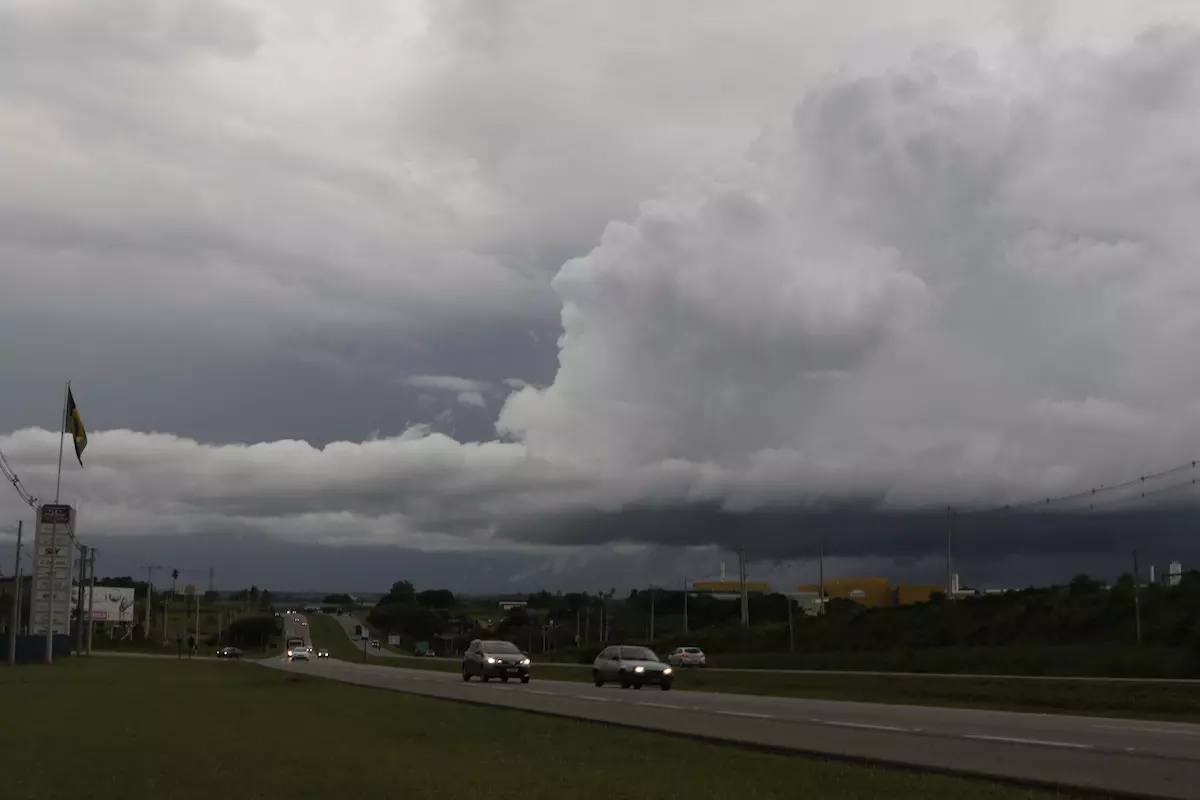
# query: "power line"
{"points": [[1101, 491], [11, 477]]}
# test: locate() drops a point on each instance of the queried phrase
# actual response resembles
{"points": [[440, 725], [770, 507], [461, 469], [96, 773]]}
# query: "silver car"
{"points": [[299, 654], [687, 657], [631, 665]]}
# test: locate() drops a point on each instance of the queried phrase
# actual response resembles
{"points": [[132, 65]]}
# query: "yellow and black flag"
{"points": [[74, 426]]}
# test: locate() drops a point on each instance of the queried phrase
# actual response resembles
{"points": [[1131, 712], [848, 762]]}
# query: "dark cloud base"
{"points": [[789, 533]]}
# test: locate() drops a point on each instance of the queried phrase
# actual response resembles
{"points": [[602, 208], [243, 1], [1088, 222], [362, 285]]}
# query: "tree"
{"points": [[402, 593], [252, 631], [408, 619], [212, 596], [264, 600], [435, 598], [338, 600], [1084, 585], [253, 592]]}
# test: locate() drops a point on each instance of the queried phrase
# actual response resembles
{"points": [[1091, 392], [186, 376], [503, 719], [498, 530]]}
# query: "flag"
{"points": [[74, 426]]}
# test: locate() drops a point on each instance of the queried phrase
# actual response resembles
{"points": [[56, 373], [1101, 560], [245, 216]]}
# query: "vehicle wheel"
{"points": [[466, 675], [625, 684], [665, 686], [596, 679], [525, 679], [637, 686], [483, 677], [504, 679]]}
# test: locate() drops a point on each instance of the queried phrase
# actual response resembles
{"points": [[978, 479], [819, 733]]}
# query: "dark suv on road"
{"points": [[493, 659]]}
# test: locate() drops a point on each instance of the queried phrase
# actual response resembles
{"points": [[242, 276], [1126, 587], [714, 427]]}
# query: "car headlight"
{"points": [[289, 652], [639, 669], [491, 660], [667, 671], [524, 662]]}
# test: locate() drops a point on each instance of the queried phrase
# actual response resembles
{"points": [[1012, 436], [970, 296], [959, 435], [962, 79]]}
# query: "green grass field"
{"points": [[109, 728], [1165, 701]]}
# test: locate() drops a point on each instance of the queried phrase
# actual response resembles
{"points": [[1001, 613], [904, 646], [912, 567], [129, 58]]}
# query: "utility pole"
{"points": [[685, 594], [79, 600], [212, 586], [653, 591], [742, 583], [821, 578], [949, 532], [791, 629], [150, 593], [1137, 605], [15, 614], [17, 604], [91, 599]]}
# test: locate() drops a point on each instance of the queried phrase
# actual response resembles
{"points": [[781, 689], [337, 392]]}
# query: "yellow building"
{"points": [[872, 591], [728, 587]]}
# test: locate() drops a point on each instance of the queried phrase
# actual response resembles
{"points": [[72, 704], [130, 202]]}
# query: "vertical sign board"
{"points": [[55, 554]]}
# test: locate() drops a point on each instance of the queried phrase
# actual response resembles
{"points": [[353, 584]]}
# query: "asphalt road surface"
{"points": [[1132, 757]]}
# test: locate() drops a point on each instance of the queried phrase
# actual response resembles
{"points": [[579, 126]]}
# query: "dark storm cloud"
{"points": [[783, 534]]}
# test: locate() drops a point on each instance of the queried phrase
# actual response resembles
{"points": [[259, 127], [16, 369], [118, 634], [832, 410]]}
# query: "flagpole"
{"points": [[62, 434]]}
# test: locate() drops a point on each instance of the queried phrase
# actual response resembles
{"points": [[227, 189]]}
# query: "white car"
{"points": [[300, 654], [687, 657]]}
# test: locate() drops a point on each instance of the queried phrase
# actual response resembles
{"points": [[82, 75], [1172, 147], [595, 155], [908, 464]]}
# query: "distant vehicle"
{"points": [[294, 641], [229, 652], [631, 666], [358, 631], [495, 659], [429, 653], [299, 654], [322, 653], [375, 643], [687, 657]]}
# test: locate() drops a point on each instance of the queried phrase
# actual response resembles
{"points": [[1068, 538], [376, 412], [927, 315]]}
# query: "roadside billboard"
{"points": [[111, 604]]}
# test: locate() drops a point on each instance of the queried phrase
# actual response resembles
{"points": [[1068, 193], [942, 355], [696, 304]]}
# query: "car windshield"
{"points": [[638, 654], [692, 650], [501, 648]]}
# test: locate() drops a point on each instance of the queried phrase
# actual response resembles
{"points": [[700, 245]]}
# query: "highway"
{"points": [[1130, 757]]}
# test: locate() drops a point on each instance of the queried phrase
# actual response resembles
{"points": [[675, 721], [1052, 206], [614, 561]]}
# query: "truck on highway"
{"points": [[293, 642]]}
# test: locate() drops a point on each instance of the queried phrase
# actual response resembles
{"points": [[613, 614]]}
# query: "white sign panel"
{"points": [[52, 593], [111, 604]]}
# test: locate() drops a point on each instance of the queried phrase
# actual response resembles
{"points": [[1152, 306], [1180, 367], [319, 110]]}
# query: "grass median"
{"points": [[1142, 700], [221, 729]]}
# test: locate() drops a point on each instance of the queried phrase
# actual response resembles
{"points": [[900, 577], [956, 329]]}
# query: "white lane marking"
{"points": [[1147, 730], [1039, 742], [659, 705], [539, 691], [865, 726], [746, 714], [593, 699]]}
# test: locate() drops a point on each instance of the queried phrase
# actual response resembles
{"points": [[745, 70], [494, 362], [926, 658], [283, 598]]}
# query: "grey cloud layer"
{"points": [[955, 272]]}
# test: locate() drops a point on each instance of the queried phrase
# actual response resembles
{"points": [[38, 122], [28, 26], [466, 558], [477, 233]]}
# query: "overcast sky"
{"points": [[510, 295]]}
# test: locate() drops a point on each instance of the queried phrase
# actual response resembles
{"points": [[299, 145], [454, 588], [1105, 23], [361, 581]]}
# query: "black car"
{"points": [[495, 659]]}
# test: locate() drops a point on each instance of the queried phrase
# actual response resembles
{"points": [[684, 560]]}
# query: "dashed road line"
{"points": [[1132, 729], [865, 726], [746, 714], [1037, 742], [593, 699], [660, 705]]}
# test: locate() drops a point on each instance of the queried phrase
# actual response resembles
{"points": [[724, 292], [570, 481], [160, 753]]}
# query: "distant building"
{"points": [[509, 605], [730, 589], [1174, 573], [874, 592]]}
